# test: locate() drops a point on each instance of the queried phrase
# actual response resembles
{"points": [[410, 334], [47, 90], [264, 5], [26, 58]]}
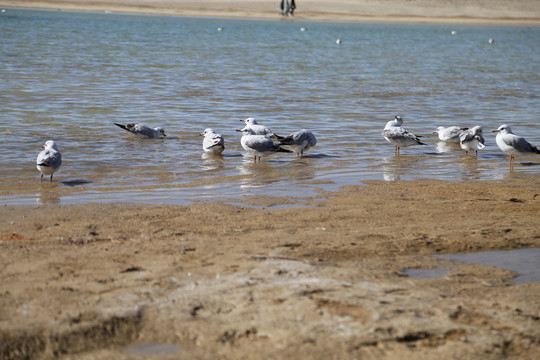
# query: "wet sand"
{"points": [[265, 280], [419, 11]]}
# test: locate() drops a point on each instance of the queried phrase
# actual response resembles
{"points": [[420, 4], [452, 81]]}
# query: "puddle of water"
{"points": [[152, 349], [426, 274], [526, 262]]}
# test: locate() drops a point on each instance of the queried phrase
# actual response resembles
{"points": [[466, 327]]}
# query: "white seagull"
{"points": [[48, 160], [398, 136], [258, 145], [450, 133], [143, 130], [300, 141], [472, 139], [212, 143], [259, 129], [512, 144]]}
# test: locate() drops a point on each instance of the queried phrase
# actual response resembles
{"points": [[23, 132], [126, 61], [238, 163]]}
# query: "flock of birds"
{"points": [[259, 141], [468, 138]]}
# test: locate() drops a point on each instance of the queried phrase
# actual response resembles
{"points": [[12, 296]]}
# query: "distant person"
{"points": [[284, 7], [287, 8]]}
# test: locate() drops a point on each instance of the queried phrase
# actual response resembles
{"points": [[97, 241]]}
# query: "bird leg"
{"points": [[42, 178]]}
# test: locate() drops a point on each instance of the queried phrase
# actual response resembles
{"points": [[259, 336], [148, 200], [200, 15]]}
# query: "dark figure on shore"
{"points": [[287, 8]]}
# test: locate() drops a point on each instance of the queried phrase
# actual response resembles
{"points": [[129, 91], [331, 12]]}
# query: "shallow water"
{"points": [[151, 349], [526, 262], [68, 76]]}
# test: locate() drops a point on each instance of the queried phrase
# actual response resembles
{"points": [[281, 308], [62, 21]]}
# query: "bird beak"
{"points": [[201, 134], [239, 130], [495, 130], [434, 132]]}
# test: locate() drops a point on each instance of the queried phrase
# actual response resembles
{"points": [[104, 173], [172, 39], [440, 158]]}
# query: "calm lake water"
{"points": [[68, 76]]}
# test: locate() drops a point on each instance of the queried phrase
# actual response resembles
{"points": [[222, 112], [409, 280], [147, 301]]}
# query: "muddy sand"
{"points": [[271, 281]]}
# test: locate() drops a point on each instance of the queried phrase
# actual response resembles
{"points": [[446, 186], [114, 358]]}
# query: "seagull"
{"points": [[472, 139], [398, 136], [512, 144], [300, 141], [48, 160], [258, 145], [260, 129], [143, 130], [212, 143], [450, 133]]}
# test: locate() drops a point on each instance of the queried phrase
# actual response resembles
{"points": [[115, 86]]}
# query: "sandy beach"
{"points": [[326, 280], [418, 11], [276, 278]]}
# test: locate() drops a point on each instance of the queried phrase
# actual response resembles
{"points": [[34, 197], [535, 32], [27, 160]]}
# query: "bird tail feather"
{"points": [[121, 126]]}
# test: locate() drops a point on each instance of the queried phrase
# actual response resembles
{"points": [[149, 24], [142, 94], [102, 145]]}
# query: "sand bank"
{"points": [[322, 281], [403, 11]]}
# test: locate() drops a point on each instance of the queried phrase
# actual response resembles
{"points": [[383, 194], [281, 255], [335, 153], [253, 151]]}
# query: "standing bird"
{"points": [[300, 141], [398, 136], [143, 130], [48, 160], [260, 129], [259, 145], [472, 139], [212, 143], [450, 133], [512, 144]]}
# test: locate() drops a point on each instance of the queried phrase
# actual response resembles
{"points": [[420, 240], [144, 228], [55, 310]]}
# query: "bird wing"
{"points": [[144, 130], [394, 132], [214, 140], [260, 143], [454, 131], [518, 142], [398, 132], [467, 136], [300, 137], [49, 157]]}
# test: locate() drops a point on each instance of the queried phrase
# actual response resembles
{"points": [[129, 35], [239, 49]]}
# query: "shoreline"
{"points": [[368, 14], [212, 280]]}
